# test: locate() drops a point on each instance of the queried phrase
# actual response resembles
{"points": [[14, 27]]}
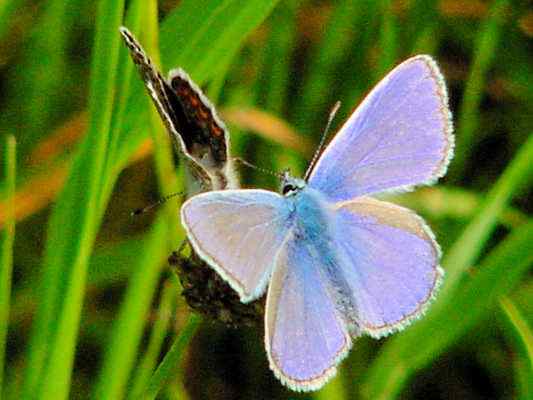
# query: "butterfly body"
{"points": [[310, 214], [337, 262]]}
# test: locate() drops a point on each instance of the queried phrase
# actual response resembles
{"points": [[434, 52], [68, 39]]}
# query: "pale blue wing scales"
{"points": [[390, 260], [305, 335], [399, 136], [238, 233]]}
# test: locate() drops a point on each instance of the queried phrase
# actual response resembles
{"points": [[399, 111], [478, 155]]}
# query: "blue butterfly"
{"points": [[337, 263]]}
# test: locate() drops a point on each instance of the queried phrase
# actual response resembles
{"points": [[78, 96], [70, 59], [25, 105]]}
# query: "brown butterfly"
{"points": [[194, 126]]}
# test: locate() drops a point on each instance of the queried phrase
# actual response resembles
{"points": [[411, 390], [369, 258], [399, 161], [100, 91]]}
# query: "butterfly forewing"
{"points": [[238, 232], [399, 136]]}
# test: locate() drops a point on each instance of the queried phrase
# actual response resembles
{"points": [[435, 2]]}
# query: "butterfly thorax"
{"points": [[313, 217], [310, 210]]}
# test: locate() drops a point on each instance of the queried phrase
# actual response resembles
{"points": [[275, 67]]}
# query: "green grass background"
{"points": [[88, 306]]}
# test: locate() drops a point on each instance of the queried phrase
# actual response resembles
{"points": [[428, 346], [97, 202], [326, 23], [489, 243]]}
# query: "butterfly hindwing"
{"points": [[238, 232], [390, 261], [398, 137], [200, 119], [305, 335]]}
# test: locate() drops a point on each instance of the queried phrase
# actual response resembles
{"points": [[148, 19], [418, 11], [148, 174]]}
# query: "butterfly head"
{"points": [[290, 185]]}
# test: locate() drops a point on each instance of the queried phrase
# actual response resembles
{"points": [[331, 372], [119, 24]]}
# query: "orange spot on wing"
{"points": [[216, 130], [193, 101]]}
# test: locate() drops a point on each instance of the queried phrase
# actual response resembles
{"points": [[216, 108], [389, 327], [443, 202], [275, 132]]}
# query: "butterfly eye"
{"points": [[288, 188]]}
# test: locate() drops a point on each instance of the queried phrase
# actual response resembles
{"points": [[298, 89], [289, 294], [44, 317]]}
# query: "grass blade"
{"points": [[125, 78], [424, 32], [275, 75], [45, 82], [452, 202], [521, 335], [484, 55], [7, 237], [7, 8], [159, 331], [124, 342], [271, 86], [388, 40], [223, 39], [334, 390], [167, 367], [120, 352], [467, 248], [49, 45], [324, 63], [72, 228]]}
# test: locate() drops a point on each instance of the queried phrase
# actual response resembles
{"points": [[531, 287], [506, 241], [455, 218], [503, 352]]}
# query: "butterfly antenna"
{"points": [[250, 165], [162, 200], [332, 113]]}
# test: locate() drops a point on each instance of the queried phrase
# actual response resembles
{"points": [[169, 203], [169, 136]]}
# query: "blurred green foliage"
{"points": [[88, 307]]}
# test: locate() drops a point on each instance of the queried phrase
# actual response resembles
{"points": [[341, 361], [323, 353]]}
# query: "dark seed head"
{"points": [[208, 294]]}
